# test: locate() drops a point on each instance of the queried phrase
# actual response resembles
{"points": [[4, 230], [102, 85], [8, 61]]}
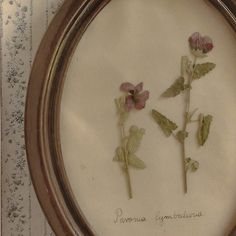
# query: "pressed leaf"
{"points": [[191, 165], [120, 105], [135, 162], [202, 69], [134, 139], [166, 125], [195, 166], [175, 89], [119, 156], [187, 86], [204, 128], [182, 135], [184, 62], [186, 66]]}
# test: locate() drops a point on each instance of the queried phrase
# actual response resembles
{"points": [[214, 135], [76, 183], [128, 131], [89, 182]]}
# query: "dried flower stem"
{"points": [[186, 122], [134, 98], [126, 167], [190, 72]]}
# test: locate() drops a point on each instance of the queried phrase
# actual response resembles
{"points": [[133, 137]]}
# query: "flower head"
{"points": [[135, 98], [200, 45]]}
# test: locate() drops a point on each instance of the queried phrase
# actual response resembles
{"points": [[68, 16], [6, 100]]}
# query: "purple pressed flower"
{"points": [[135, 98], [200, 45]]}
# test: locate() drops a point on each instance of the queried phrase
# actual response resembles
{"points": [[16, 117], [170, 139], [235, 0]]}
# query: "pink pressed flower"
{"points": [[134, 99], [201, 44]]}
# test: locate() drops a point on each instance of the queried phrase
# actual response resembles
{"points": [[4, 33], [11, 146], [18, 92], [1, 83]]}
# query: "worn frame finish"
{"points": [[43, 112]]}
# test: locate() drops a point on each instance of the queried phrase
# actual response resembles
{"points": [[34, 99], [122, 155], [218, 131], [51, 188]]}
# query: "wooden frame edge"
{"points": [[50, 194]]}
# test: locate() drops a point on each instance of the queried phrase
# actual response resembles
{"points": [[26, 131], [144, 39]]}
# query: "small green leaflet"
{"points": [[166, 125], [182, 135], [175, 89], [184, 63], [186, 66], [131, 145], [119, 156], [191, 165], [133, 160], [134, 139], [204, 128], [202, 69]]}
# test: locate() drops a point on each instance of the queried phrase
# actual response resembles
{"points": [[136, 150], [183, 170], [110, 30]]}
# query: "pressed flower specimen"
{"points": [[134, 99], [191, 71]]}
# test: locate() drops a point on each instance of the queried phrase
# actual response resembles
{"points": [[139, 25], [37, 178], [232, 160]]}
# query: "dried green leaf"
{"points": [[186, 66], [135, 162], [204, 128], [187, 86], [123, 114], [134, 139], [182, 135], [119, 156], [184, 62], [191, 165], [166, 125], [202, 69], [175, 89]]}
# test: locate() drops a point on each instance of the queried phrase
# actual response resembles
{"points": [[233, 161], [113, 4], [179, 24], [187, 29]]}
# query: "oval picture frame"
{"points": [[43, 108]]}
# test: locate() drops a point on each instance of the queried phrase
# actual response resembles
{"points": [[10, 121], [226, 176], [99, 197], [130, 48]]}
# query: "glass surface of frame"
{"points": [[138, 41]]}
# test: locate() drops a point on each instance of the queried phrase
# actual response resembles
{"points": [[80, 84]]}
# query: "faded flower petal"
{"points": [[142, 96], [134, 99], [207, 44], [140, 100], [195, 40], [127, 87], [200, 45], [129, 103], [139, 88], [140, 105]]}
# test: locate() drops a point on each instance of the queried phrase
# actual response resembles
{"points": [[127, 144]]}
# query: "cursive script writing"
{"points": [[178, 216], [121, 219]]}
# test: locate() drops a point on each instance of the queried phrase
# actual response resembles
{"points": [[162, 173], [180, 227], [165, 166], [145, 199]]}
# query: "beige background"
{"points": [[138, 41]]}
